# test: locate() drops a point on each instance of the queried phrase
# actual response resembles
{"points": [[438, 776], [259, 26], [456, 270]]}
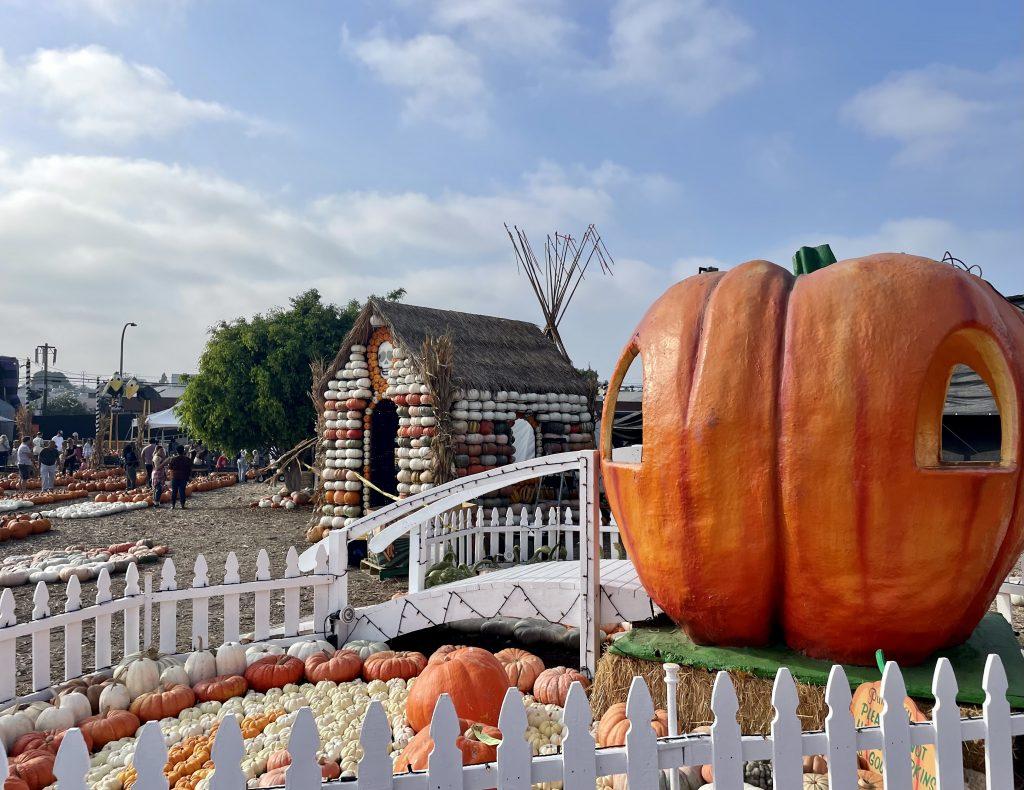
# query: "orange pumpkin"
{"points": [[552, 686], [220, 688], [110, 726], [474, 752], [167, 701], [472, 677], [273, 672], [48, 741], [611, 730], [391, 664], [441, 652], [790, 424], [341, 666], [279, 759], [34, 767], [521, 667], [15, 783]]}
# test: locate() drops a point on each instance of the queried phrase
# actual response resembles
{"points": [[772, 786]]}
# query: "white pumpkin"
{"points": [[309, 647], [200, 665], [77, 703], [231, 659], [32, 709], [176, 676], [140, 672], [13, 726], [261, 650], [114, 697], [366, 648], [54, 718]]}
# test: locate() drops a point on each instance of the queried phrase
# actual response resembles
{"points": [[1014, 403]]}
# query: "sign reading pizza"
{"points": [[867, 712]]}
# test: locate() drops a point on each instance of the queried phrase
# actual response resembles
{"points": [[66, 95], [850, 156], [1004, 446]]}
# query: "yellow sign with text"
{"points": [[867, 712]]}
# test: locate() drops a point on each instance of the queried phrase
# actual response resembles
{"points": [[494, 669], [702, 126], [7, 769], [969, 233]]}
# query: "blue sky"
{"points": [[176, 162]]}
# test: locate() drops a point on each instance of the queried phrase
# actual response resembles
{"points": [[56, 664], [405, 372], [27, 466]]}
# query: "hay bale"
{"points": [[615, 673]]}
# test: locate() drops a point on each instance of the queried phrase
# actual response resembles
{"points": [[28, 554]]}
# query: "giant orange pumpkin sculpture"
{"points": [[790, 481]]}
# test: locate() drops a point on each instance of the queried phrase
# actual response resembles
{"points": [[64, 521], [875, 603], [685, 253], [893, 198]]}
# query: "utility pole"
{"points": [[28, 377], [46, 348]]}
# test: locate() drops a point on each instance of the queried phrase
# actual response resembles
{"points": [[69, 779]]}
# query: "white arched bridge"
{"points": [[565, 569]]}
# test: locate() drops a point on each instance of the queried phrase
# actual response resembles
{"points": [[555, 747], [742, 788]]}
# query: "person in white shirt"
{"points": [[87, 450], [37, 444], [58, 441], [26, 463]]}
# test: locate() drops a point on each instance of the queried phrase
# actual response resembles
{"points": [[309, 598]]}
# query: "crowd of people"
{"points": [[176, 463]]}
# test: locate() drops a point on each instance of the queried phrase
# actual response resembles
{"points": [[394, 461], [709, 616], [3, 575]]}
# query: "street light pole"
{"points": [[120, 368]]}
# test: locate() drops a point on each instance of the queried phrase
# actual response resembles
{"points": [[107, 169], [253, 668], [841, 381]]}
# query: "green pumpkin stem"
{"points": [[810, 259]]}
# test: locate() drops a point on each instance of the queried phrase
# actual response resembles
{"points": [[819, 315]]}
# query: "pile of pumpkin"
{"points": [[53, 565], [47, 498], [20, 527], [284, 499], [108, 505]]}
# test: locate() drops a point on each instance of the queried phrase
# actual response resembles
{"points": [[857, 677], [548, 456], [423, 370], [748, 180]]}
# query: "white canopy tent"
{"points": [[167, 419]]}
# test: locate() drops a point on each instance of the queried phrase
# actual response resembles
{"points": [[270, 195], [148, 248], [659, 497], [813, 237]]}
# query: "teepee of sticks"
{"points": [[555, 281]]}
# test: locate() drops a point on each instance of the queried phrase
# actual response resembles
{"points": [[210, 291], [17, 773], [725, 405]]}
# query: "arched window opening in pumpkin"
{"points": [[971, 429], [624, 437]]}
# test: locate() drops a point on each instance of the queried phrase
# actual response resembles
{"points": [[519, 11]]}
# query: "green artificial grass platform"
{"points": [[993, 635]]}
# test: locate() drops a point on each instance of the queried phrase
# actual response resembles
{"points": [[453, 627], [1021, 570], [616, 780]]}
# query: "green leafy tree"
{"points": [[253, 384], [64, 402]]}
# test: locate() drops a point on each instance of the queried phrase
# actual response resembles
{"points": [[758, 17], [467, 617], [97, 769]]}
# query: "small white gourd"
{"points": [[231, 659], [13, 726], [200, 665], [309, 647], [176, 676], [77, 703], [54, 718], [261, 650], [114, 697]]}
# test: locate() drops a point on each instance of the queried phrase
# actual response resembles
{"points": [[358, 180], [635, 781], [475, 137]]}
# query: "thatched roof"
{"points": [[488, 352]]}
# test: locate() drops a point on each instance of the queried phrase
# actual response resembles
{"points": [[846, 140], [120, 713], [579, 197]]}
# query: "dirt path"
{"points": [[214, 524]]}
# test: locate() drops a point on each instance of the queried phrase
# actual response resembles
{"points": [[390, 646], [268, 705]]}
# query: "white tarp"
{"points": [[168, 418]]}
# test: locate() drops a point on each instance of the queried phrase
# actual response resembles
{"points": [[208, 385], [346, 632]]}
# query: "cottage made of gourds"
{"points": [[418, 396]]}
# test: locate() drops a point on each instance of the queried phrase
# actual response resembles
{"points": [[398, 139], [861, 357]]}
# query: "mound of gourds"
{"points": [[53, 565], [107, 506], [447, 570], [284, 499], [20, 527]]}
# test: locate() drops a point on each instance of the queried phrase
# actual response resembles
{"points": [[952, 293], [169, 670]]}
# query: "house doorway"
{"points": [[383, 430]]}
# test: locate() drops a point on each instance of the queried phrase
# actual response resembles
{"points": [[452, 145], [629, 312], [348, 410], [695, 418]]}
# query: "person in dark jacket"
{"points": [[48, 458], [131, 465], [180, 467]]}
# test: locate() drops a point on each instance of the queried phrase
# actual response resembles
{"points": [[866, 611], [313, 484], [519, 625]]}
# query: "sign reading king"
{"points": [[867, 712]]}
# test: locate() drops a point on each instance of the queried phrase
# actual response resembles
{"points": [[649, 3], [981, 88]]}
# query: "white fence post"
{"points": [[337, 567], [590, 563], [672, 710], [417, 559]]}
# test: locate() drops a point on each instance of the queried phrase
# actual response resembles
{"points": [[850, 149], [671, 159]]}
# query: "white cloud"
{"points": [[176, 249], [690, 52], [114, 11], [440, 79], [524, 27], [96, 94], [931, 111]]}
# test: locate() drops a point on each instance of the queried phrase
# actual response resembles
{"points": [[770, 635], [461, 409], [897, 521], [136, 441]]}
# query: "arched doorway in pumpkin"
{"points": [[624, 399], [971, 423], [383, 431]]}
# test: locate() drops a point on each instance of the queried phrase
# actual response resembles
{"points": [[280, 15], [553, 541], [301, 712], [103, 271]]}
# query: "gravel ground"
{"points": [[213, 524]]}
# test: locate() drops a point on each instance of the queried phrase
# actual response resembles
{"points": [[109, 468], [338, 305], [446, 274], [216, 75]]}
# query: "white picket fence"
{"points": [[644, 757], [473, 534], [141, 607]]}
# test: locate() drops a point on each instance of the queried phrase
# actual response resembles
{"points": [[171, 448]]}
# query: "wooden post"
{"points": [[590, 564]]}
